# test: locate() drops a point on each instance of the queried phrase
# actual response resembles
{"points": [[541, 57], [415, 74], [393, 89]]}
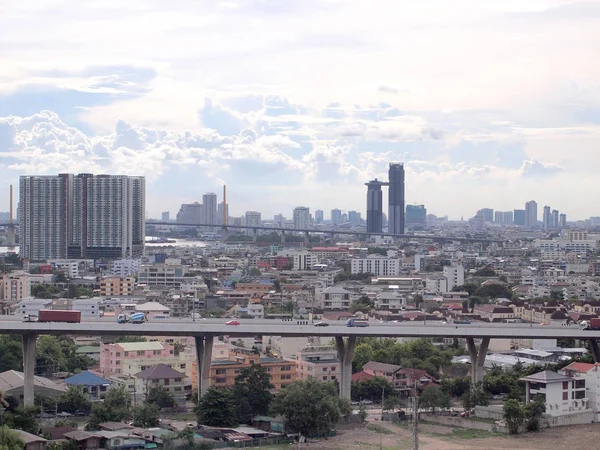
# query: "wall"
{"points": [[463, 423], [575, 418]]}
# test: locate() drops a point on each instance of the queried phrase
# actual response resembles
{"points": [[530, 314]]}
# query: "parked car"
{"points": [[321, 324], [232, 322]]}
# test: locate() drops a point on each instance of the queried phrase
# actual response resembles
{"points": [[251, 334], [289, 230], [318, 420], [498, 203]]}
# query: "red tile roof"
{"points": [[362, 376], [579, 367]]}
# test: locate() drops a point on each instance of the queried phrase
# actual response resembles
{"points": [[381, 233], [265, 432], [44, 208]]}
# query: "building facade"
{"points": [[377, 265], [113, 286], [301, 217], [396, 208]]}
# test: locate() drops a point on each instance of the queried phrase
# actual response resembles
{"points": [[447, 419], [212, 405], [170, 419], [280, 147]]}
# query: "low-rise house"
{"points": [[91, 351], [561, 394], [12, 382], [162, 375], [84, 440], [405, 380], [32, 442], [381, 369], [89, 383], [321, 363], [494, 313]]}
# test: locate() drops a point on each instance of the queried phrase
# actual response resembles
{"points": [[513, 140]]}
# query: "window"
{"points": [[580, 394], [565, 385], [177, 380], [324, 369], [177, 389], [118, 354], [140, 353], [566, 394], [221, 371], [220, 380], [579, 384], [324, 378], [126, 353]]}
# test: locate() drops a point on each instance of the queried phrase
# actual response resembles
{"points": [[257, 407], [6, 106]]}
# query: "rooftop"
{"points": [[140, 346], [546, 376], [159, 371], [87, 378]]}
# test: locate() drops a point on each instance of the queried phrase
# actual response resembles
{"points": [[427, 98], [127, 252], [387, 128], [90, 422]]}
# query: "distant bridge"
{"points": [[306, 231]]}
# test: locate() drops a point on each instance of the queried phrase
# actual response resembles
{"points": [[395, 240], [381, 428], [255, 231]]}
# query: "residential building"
{"points": [[519, 217], [354, 218], [319, 216], [125, 267], [90, 384], [165, 216], [547, 219], [69, 266], [455, 276], [253, 219], [405, 380], [416, 217], [89, 307], [379, 369], [374, 206], [224, 371], [190, 213], [301, 217], [495, 313], [390, 300], [336, 216], [15, 286], [163, 376], [334, 298], [116, 286], [32, 306], [82, 216], [319, 362], [114, 356], [171, 273], [396, 209], [436, 284], [375, 264], [209, 200], [531, 215], [562, 394], [301, 260], [12, 383]]}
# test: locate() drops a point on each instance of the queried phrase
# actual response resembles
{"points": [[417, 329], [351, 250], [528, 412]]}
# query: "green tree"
{"points": [[11, 350], [23, 418], [485, 272], [161, 397], [514, 415], [475, 396], [252, 393], [74, 400], [363, 304], [216, 408], [115, 408], [391, 403], [146, 415], [372, 389], [456, 387], [533, 413], [493, 290], [469, 288], [310, 406], [9, 440], [127, 338], [363, 353], [434, 397]]}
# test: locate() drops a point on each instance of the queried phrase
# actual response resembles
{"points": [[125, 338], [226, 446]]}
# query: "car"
{"points": [[321, 324], [232, 322]]}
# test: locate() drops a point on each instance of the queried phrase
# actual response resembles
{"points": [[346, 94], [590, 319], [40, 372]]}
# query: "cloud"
{"points": [[387, 90], [534, 168]]}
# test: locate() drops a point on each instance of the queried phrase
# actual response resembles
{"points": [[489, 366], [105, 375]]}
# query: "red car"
{"points": [[232, 322]]}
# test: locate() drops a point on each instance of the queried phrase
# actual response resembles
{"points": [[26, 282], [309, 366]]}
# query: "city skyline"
{"points": [[495, 104]]}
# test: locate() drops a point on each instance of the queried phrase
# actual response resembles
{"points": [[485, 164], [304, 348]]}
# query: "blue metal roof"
{"points": [[87, 378]]}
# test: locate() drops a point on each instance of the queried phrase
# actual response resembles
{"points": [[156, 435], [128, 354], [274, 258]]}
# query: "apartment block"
{"points": [[116, 286]]}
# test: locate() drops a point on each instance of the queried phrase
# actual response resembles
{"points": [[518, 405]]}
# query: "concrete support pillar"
{"points": [[595, 350], [332, 237], [254, 235], [282, 237], [224, 233], [306, 238], [204, 347], [477, 359], [11, 240], [29, 348], [346, 354]]}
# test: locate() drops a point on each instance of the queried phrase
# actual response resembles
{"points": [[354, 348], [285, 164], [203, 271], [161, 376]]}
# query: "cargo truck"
{"points": [[50, 315], [594, 324], [357, 323]]}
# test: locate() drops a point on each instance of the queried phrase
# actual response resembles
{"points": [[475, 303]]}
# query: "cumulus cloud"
{"points": [[535, 168], [387, 90]]}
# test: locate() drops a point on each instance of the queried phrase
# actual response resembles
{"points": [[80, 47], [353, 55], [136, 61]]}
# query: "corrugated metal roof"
{"points": [[140, 346]]}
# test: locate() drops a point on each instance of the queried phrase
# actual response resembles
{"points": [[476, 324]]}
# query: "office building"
{"points": [[396, 208], [319, 216], [519, 217], [279, 220], [253, 219], [555, 219], [416, 217], [531, 214], [209, 201], [81, 216], [504, 218], [165, 216], [377, 265], [354, 218], [563, 221], [301, 217], [336, 216], [547, 218], [374, 206], [190, 213]]}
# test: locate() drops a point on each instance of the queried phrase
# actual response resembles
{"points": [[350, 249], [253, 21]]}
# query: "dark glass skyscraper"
{"points": [[374, 206], [396, 206]]}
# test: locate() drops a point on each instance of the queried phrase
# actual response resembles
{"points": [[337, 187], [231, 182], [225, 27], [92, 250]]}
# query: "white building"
{"points": [[69, 266], [125, 267], [455, 276], [390, 300], [378, 265], [256, 310], [15, 286], [321, 363], [301, 217], [32, 306], [562, 394], [168, 274], [436, 284], [300, 260], [89, 307], [334, 298], [576, 246]]}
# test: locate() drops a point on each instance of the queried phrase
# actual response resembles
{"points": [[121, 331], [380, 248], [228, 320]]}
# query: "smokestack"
{"points": [[11, 204], [224, 204]]}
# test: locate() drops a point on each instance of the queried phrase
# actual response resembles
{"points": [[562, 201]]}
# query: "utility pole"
{"points": [[415, 418]]}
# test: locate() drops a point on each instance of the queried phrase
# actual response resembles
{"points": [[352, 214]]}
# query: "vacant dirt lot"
{"points": [[389, 436]]}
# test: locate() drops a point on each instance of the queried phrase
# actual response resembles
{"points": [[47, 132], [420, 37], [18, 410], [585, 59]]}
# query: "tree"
{"points": [[434, 397], [469, 288], [216, 408], [161, 397], [310, 406], [533, 413], [514, 415], [363, 304], [485, 272], [372, 389], [11, 350], [391, 403], [127, 338], [9, 440], [115, 408], [74, 400], [23, 418], [146, 416], [493, 290], [475, 396], [456, 387], [252, 393]]}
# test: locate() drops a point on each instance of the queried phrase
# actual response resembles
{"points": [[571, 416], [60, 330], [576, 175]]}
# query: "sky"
{"points": [[300, 102]]}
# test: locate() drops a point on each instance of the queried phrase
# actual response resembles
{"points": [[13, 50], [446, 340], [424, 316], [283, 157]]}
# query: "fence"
{"points": [[260, 442]]}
